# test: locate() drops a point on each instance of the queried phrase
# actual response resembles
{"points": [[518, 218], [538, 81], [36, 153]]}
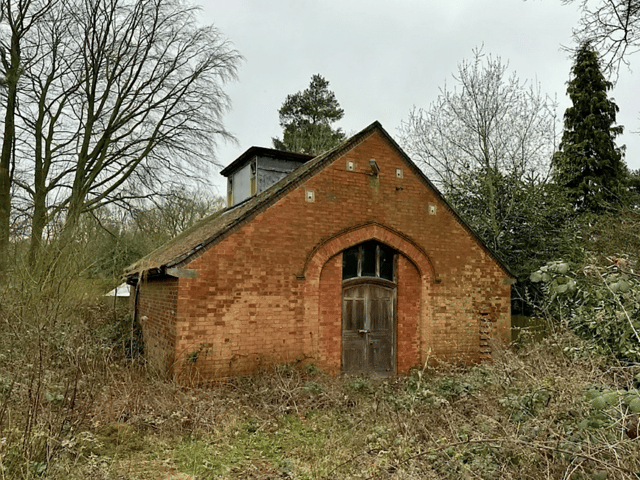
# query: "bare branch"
{"points": [[612, 27], [118, 91]]}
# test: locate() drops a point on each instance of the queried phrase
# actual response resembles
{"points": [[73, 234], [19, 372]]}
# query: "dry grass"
{"points": [[77, 408]]}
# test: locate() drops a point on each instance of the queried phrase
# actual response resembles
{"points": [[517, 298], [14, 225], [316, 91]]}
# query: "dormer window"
{"points": [[256, 170]]}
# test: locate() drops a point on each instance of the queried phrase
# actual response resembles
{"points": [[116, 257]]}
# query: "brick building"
{"points": [[351, 260]]}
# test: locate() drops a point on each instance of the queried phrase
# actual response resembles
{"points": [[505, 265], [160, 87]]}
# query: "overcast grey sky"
{"points": [[382, 58]]}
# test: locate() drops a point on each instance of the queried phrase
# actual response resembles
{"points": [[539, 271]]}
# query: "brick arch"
{"points": [[354, 236], [323, 280]]}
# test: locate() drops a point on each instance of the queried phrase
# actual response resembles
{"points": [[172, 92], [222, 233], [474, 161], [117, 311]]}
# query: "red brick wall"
{"points": [[157, 307], [270, 291], [330, 315], [408, 316]]}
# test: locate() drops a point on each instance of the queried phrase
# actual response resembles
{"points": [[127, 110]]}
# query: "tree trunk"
{"points": [[12, 73], [493, 217], [5, 195], [74, 212], [38, 223]]}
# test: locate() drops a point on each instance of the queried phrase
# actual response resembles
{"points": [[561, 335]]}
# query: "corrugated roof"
{"points": [[195, 240]]}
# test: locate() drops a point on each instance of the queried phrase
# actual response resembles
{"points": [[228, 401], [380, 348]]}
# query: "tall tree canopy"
{"points": [[588, 163], [306, 118], [118, 99]]}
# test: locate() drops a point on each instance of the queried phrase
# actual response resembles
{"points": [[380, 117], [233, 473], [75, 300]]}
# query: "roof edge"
{"points": [[282, 188], [274, 193], [449, 207]]}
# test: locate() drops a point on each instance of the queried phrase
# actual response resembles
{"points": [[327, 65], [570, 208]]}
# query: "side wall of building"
{"points": [[157, 301]]}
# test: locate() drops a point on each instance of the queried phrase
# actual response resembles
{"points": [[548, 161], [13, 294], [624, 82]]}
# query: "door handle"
{"points": [[363, 331]]}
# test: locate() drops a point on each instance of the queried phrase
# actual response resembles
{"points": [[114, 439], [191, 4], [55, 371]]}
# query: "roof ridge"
{"points": [[220, 224]]}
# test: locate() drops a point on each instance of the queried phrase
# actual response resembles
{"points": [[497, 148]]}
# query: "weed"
{"points": [[452, 387], [78, 408], [311, 368], [285, 370], [313, 388], [194, 355], [359, 385], [521, 405], [197, 457], [114, 440], [123, 335]]}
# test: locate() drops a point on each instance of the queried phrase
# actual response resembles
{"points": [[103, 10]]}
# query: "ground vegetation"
{"points": [[543, 410]]}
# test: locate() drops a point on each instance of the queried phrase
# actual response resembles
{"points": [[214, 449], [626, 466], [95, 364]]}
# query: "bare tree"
{"points": [[113, 238], [489, 120], [125, 99], [45, 155], [160, 221], [612, 27], [18, 19], [489, 131]]}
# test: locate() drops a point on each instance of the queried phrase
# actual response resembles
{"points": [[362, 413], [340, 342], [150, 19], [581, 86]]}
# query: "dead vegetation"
{"points": [[77, 402], [80, 408]]}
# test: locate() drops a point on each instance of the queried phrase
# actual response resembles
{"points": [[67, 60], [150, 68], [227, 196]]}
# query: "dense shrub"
{"points": [[599, 303]]}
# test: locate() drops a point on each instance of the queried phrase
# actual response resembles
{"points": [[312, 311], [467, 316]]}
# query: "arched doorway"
{"points": [[369, 290]]}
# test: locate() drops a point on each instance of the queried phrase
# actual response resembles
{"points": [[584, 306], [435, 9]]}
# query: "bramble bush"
{"points": [[599, 303]]}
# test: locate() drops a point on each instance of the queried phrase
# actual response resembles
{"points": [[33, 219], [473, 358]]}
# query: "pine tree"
{"points": [[588, 163], [306, 118]]}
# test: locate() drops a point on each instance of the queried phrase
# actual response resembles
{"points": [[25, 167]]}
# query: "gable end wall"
{"points": [[256, 302]]}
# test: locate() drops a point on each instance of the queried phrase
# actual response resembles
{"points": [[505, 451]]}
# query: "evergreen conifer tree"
{"points": [[306, 118], [588, 163]]}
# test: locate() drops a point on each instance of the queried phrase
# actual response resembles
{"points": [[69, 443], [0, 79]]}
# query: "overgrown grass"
{"points": [[57, 343], [75, 403], [533, 413]]}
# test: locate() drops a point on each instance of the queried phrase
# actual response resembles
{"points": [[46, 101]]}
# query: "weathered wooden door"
{"points": [[368, 329]]}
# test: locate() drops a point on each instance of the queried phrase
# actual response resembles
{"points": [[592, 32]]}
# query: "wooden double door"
{"points": [[368, 328]]}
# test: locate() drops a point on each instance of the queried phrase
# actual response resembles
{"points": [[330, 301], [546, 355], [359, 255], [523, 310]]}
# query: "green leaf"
{"points": [[561, 288], [623, 286], [599, 403], [610, 398], [634, 405]]}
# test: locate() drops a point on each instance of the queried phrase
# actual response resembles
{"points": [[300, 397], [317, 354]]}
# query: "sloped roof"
{"points": [[195, 240]]}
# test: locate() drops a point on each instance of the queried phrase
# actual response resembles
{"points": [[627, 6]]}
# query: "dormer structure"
{"points": [[257, 169]]}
